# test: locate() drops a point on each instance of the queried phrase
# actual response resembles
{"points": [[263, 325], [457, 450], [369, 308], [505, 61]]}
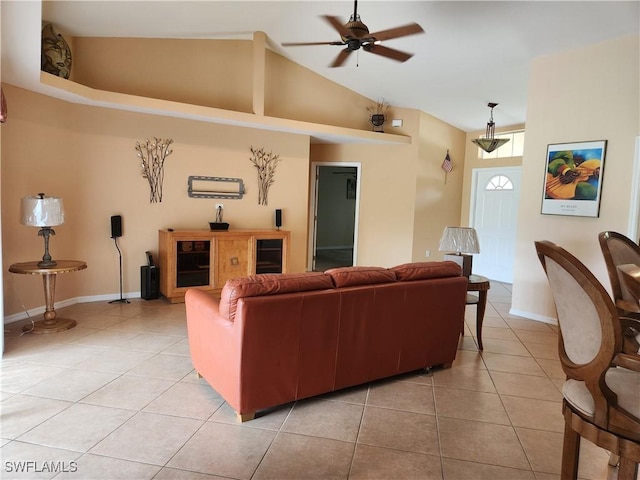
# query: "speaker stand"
{"points": [[119, 300]]}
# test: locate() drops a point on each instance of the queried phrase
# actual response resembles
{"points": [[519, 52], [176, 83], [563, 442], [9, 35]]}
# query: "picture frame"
{"points": [[573, 178]]}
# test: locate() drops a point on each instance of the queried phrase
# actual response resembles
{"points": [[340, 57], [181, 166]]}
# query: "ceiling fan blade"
{"points": [[336, 23], [340, 59], [387, 52], [403, 31], [301, 44]]}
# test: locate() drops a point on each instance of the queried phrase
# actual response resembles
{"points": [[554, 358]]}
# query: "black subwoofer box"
{"points": [[149, 282]]}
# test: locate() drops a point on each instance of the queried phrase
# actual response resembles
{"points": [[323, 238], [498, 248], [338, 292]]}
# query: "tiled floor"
{"points": [[117, 397]]}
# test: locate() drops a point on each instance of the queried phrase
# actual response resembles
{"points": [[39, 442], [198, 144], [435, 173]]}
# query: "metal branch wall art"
{"points": [[153, 153], [265, 163]]}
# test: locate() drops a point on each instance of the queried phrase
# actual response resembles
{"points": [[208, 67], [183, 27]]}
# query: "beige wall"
{"points": [[438, 196], [212, 73], [86, 155], [593, 94], [404, 202]]}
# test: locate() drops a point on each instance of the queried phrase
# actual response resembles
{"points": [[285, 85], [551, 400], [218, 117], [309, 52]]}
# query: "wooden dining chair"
{"points": [[617, 250], [601, 394]]}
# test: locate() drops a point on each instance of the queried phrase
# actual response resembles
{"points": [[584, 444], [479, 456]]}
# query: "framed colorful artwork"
{"points": [[573, 178]]}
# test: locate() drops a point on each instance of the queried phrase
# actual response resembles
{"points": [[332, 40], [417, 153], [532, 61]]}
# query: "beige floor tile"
{"points": [[481, 443], [374, 463], [468, 359], [497, 362], [542, 350], [506, 347], [72, 385], [129, 392], [94, 320], [408, 431], [106, 338], [296, 456], [187, 400], [529, 386], [96, 467], [114, 360], [543, 449], [325, 418], [498, 333], [150, 343], [224, 450], [534, 413], [546, 338], [166, 367], [468, 343], [148, 438], [78, 428], [17, 377], [20, 413], [470, 405], [464, 378], [461, 470], [357, 394], [68, 356], [175, 474], [179, 348], [15, 454], [552, 368], [525, 324], [400, 395]]}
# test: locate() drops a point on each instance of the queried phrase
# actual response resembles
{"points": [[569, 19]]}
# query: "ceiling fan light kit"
{"points": [[355, 35], [489, 143]]}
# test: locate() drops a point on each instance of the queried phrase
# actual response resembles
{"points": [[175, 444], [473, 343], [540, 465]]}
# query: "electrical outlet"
{"points": [[427, 253], [219, 205]]}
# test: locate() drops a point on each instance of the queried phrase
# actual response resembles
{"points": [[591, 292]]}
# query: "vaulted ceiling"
{"points": [[472, 52]]}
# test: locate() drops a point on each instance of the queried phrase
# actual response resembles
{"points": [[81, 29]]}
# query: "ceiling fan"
{"points": [[354, 34]]}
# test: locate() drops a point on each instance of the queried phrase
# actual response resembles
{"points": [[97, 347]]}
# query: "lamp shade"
{"points": [[459, 240], [42, 211]]}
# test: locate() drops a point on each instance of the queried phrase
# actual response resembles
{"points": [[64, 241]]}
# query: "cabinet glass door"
{"points": [[269, 255], [192, 264]]}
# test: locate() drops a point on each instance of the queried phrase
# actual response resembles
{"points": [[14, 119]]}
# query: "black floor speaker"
{"points": [[149, 282]]}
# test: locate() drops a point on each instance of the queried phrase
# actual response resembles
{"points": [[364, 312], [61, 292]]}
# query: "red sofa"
{"points": [[272, 339]]}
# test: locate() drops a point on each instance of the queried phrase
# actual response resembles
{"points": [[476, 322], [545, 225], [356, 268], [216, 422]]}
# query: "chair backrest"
{"points": [[590, 332], [617, 250]]}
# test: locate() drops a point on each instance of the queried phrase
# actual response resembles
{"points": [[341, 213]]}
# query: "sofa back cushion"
{"points": [[352, 276], [268, 284], [425, 270]]}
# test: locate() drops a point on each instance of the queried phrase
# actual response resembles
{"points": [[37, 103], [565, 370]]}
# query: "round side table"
{"points": [[480, 284], [50, 324]]}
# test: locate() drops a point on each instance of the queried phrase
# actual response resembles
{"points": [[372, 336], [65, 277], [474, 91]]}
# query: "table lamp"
{"points": [[44, 212], [461, 240]]}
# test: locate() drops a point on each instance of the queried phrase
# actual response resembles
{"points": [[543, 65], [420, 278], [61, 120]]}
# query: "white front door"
{"points": [[495, 196]]}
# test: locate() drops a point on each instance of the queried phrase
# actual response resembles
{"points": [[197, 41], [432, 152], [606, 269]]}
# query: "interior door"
{"points": [[494, 215], [335, 192]]}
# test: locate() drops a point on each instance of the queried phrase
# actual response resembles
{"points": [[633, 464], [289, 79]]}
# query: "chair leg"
{"points": [[570, 454], [628, 469]]}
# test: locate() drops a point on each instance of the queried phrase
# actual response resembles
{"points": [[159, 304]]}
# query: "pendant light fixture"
{"points": [[489, 144]]}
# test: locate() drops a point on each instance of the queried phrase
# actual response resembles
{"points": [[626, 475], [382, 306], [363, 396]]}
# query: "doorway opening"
{"points": [[335, 193]]}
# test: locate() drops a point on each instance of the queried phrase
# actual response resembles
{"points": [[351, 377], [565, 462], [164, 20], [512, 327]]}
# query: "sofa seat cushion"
{"points": [[352, 276], [426, 270], [268, 284]]}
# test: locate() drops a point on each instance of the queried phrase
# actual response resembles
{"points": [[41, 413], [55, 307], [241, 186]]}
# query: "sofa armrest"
{"points": [[215, 344]]}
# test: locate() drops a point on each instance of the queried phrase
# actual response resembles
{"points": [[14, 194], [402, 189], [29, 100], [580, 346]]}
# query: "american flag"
{"points": [[447, 166]]}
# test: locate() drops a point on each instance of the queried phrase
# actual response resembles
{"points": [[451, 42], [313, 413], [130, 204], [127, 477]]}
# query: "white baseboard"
{"points": [[533, 316], [66, 303]]}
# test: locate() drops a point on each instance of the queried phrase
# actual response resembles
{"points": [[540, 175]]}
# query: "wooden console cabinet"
{"points": [[206, 259]]}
